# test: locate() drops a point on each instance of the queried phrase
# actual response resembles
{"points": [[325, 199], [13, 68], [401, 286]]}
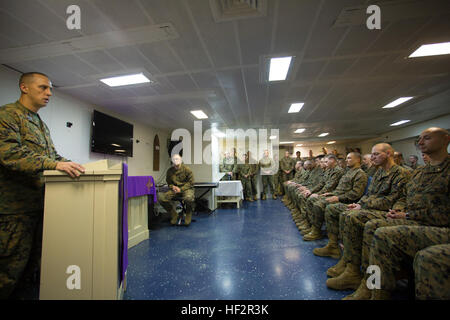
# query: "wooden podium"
{"points": [[81, 237]]}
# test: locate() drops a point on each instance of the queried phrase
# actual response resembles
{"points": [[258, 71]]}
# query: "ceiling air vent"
{"points": [[228, 10], [392, 11]]}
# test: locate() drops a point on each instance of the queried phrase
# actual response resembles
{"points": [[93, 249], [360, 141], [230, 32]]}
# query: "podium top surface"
{"points": [[101, 167]]}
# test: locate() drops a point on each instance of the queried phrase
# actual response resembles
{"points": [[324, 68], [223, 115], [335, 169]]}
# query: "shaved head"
{"points": [[434, 142], [385, 147]]}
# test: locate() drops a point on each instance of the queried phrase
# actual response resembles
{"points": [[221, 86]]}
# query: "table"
{"points": [[208, 186], [230, 191]]}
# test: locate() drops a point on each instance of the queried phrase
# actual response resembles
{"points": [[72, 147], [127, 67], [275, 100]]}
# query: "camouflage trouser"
{"points": [[316, 210], [394, 246], [247, 186], [254, 184], [165, 199], [20, 251], [267, 183], [369, 230], [432, 270], [352, 237], [283, 177], [335, 214]]}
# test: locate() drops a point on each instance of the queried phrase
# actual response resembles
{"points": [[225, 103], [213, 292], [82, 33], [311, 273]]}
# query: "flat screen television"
{"points": [[111, 135]]}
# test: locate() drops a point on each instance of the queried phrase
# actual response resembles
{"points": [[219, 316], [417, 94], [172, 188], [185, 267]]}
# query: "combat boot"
{"points": [[338, 269], [315, 234], [187, 219], [330, 250], [349, 279], [362, 293], [263, 197], [284, 199], [305, 230], [274, 196], [173, 217], [255, 198]]}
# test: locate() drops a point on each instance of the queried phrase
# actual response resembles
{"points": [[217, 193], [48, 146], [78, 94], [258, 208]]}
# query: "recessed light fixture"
{"points": [[331, 142], [397, 102], [296, 107], [199, 114], [323, 134], [279, 68], [433, 49], [272, 137], [300, 130], [400, 122], [125, 80], [287, 142], [299, 145]]}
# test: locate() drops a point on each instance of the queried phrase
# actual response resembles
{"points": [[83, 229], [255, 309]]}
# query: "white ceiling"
{"points": [[343, 71]]}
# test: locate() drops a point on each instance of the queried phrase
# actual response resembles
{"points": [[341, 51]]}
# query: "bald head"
{"points": [[434, 142], [382, 154]]}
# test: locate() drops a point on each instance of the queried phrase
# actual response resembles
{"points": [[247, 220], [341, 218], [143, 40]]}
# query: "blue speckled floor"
{"points": [[255, 252]]}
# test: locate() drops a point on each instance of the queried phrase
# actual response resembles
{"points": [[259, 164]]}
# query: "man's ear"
{"points": [[23, 88]]}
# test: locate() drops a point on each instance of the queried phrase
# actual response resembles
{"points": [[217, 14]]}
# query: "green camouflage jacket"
{"points": [[182, 178], [385, 188], [227, 165], [427, 198], [26, 150], [314, 177], [244, 169], [331, 179], [351, 186], [287, 163]]}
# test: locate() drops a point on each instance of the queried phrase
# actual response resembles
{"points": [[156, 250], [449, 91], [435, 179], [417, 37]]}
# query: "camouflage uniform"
{"points": [[426, 201], [228, 165], [245, 169], [184, 179], [254, 177], [287, 163], [370, 171], [332, 178], [393, 246], [267, 166], [301, 177], [432, 269], [349, 190], [315, 178], [26, 149], [384, 191]]}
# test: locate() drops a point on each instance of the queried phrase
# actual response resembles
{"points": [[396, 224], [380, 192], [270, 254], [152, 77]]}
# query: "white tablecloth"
{"points": [[230, 189]]}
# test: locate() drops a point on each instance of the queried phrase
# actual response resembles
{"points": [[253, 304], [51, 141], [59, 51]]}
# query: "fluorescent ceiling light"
{"points": [[397, 102], [323, 134], [300, 130], [331, 142], [119, 150], [115, 145], [296, 107], [272, 137], [286, 142], [433, 49], [199, 114], [299, 145], [279, 68], [400, 122], [125, 80]]}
